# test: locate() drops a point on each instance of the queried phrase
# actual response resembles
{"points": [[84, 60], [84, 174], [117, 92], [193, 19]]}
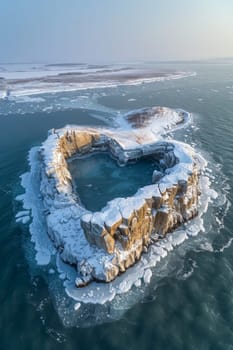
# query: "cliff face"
{"points": [[121, 231], [127, 226]]}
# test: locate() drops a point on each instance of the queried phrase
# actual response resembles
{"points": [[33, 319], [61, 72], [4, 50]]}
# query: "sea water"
{"points": [[189, 301], [99, 178]]}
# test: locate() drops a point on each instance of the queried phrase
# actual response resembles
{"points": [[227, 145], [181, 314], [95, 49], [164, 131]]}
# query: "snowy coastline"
{"points": [[27, 80]]}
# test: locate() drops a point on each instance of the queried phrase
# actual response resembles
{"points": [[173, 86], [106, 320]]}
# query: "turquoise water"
{"points": [[189, 305], [99, 179]]}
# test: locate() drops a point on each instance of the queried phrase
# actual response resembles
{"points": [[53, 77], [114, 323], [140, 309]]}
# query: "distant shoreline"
{"points": [[51, 79]]}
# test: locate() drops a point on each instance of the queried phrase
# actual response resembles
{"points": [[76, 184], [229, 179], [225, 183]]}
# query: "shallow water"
{"points": [[189, 303], [99, 179]]}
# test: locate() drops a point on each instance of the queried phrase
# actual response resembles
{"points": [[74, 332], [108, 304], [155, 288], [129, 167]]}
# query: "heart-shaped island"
{"points": [[103, 244]]}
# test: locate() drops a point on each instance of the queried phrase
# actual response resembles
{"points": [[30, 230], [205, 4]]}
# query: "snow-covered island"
{"points": [[102, 245]]}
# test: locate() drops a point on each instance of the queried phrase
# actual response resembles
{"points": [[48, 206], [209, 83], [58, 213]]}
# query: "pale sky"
{"points": [[114, 30]]}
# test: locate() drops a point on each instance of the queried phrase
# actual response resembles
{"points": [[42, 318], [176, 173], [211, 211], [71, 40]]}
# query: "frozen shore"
{"points": [[104, 244], [21, 80]]}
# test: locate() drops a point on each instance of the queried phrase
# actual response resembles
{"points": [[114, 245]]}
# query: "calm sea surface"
{"points": [[191, 307]]}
